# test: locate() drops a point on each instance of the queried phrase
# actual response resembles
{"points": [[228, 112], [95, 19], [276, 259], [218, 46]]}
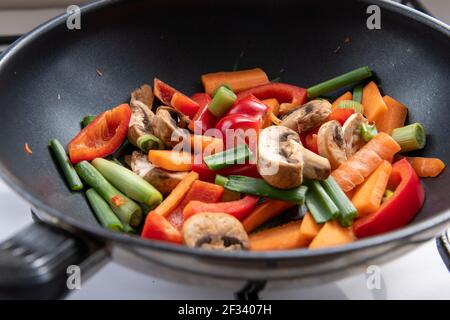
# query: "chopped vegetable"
{"points": [[332, 234], [128, 182], [368, 131], [163, 91], [149, 142], [205, 144], [374, 105], [72, 178], [340, 115], [264, 212], [184, 104], [272, 111], [339, 82], [319, 203], [311, 142], [220, 180], [309, 228], [283, 237], [387, 195], [158, 228], [86, 120], [203, 119], [239, 128], [394, 117], [236, 80], [227, 158], [411, 137], [126, 209], [346, 96], [350, 104], [223, 99], [368, 196], [426, 167], [103, 212], [171, 160], [250, 107], [357, 93]]}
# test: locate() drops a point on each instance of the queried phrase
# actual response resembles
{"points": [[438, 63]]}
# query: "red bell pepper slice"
{"points": [[311, 142], [238, 128], [283, 92], [340, 115], [172, 97], [249, 106], [239, 209], [158, 228], [400, 209], [102, 136], [203, 119]]}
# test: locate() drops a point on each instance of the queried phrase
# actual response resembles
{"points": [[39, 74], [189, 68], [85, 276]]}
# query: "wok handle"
{"points": [[443, 246], [45, 262]]}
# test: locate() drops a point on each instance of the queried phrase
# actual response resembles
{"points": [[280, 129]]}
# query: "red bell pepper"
{"points": [[201, 191], [284, 93], [239, 209], [340, 115], [400, 209], [203, 119], [238, 128], [249, 106], [158, 228], [102, 136], [311, 142], [172, 97]]}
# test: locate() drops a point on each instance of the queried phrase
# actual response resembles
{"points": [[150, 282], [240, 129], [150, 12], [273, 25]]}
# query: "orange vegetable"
{"points": [[273, 107], [374, 105], [332, 234], [171, 160], [236, 80], [368, 196], [346, 96], [205, 144], [177, 195], [426, 167], [283, 237], [353, 171], [309, 228], [393, 118], [264, 212]]}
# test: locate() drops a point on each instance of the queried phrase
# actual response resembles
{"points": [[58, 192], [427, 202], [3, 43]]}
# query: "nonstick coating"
{"points": [[55, 76]]}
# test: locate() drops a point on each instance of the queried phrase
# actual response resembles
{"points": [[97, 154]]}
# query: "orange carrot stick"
{"points": [[332, 234], [171, 160], [309, 228], [394, 117], [426, 167], [273, 107], [264, 212], [346, 96], [374, 105], [283, 237], [201, 143]]}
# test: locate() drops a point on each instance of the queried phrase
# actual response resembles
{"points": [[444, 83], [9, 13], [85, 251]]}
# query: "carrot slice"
{"points": [[205, 144], [264, 212], [332, 234], [236, 80], [346, 96], [374, 105], [171, 160], [394, 117], [367, 198], [283, 237], [309, 228], [426, 167], [273, 107]]}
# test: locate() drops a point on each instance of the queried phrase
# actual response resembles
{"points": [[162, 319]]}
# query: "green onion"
{"points": [[350, 104], [222, 101], [387, 195], [410, 137], [116, 161], [368, 131], [128, 182], [228, 195], [125, 209], [103, 212], [338, 82], [357, 93], [72, 178], [86, 120], [319, 203], [128, 229], [220, 180], [217, 89], [347, 212], [259, 187], [228, 157], [149, 142]]}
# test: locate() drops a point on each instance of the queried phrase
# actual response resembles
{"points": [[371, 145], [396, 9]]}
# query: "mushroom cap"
{"points": [[331, 143], [315, 166], [141, 116], [165, 126], [307, 116]]}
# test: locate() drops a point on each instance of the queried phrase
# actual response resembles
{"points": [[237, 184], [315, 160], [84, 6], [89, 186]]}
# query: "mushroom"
{"points": [[331, 143], [352, 133], [165, 125], [218, 231], [141, 116], [307, 116], [163, 180], [315, 166]]}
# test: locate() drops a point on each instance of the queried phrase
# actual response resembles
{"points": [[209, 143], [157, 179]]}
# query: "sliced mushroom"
{"points": [[315, 166], [142, 116], [280, 157], [352, 133], [165, 125], [163, 180], [307, 116], [219, 231], [331, 143]]}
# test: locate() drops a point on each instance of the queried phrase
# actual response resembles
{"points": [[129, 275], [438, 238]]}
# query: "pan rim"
{"points": [[96, 231]]}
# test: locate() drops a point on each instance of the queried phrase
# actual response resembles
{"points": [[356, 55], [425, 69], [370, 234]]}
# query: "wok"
{"points": [[49, 81]]}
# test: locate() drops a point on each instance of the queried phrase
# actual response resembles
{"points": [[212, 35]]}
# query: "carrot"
{"points": [[264, 212], [309, 228], [332, 234], [374, 105], [283, 237], [346, 96], [368, 196], [236, 80], [353, 171], [426, 167], [394, 117], [205, 144], [273, 107], [171, 160], [177, 195]]}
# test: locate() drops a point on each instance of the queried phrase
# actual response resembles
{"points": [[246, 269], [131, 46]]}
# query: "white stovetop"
{"points": [[420, 274]]}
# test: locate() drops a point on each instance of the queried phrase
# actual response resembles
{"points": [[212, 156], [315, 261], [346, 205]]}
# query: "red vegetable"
{"points": [[184, 104], [400, 209], [158, 228], [102, 136], [163, 91], [203, 119], [238, 128], [340, 115], [284, 93], [311, 142], [239, 209], [249, 106]]}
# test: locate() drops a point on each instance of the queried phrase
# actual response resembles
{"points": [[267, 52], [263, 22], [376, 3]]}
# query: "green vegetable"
{"points": [[319, 203], [228, 157], [103, 212], [116, 161], [222, 85], [259, 187], [387, 195], [128, 229], [228, 195], [357, 93], [149, 142], [220, 180], [347, 212], [338, 82], [86, 120], [128, 182], [368, 131], [410, 137], [72, 178], [125, 209], [223, 99], [350, 104]]}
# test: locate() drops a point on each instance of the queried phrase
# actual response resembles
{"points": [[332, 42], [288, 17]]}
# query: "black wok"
{"points": [[48, 82]]}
